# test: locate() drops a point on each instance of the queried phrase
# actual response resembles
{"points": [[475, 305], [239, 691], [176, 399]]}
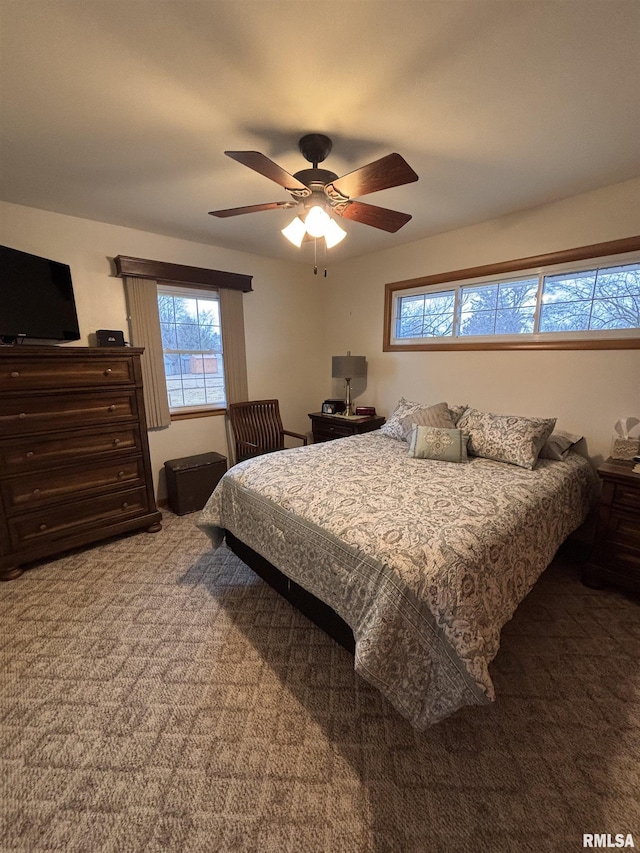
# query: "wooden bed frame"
{"points": [[317, 611]]}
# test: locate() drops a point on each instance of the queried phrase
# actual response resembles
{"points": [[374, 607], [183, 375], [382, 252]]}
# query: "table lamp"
{"points": [[348, 367]]}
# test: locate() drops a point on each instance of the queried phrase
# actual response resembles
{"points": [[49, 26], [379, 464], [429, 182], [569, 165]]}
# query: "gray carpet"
{"points": [[159, 697]]}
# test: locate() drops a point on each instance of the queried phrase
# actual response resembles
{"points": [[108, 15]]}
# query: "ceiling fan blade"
{"points": [[390, 171], [252, 208], [259, 163], [378, 217]]}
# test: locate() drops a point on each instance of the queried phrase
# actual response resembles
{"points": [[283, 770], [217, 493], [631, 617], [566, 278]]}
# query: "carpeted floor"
{"points": [[158, 697]]}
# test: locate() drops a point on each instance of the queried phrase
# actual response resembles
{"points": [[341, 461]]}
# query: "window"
{"points": [[586, 302], [192, 347]]}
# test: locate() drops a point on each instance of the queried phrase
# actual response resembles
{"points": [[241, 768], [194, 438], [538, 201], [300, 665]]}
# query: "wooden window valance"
{"points": [[181, 274]]}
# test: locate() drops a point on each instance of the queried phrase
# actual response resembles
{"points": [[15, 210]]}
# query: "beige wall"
{"points": [[281, 314], [295, 322], [586, 390]]}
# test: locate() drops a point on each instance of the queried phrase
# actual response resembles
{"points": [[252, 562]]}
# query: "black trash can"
{"points": [[191, 480]]}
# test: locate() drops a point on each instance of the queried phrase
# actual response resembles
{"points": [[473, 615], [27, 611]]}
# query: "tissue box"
{"points": [[625, 448]]}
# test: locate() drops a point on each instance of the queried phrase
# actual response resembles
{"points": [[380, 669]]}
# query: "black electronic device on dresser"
{"points": [[74, 453], [36, 299], [326, 427], [616, 552]]}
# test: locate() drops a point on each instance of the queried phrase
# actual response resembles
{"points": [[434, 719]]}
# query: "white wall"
{"points": [[586, 390], [283, 332]]}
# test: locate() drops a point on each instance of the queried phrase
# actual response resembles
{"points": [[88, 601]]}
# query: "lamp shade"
{"points": [[348, 366]]}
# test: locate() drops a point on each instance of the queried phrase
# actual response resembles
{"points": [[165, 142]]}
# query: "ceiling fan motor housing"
{"points": [[315, 147], [319, 177]]}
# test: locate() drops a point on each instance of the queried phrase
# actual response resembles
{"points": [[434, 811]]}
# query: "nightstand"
{"points": [[328, 427], [616, 552]]}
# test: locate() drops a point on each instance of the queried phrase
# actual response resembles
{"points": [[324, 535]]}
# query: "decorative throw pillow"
{"points": [[558, 445], [445, 445], [393, 426], [433, 416], [505, 438], [456, 412]]}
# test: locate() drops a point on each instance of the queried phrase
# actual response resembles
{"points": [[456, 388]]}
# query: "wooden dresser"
{"points": [[74, 454], [616, 553]]}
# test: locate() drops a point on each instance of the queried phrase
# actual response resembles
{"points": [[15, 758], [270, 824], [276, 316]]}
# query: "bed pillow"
{"points": [[433, 416], [505, 438], [445, 445], [393, 426], [456, 412], [558, 445]]}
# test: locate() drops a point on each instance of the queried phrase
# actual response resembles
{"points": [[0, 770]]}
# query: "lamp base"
{"points": [[348, 410]]}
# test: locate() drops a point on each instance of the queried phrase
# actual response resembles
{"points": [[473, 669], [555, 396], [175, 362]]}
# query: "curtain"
{"points": [[233, 345], [144, 323], [235, 356]]}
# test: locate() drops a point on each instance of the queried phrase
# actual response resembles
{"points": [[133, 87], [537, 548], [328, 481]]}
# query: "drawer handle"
{"points": [[22, 415], [125, 505], [43, 527], [120, 474], [116, 442], [15, 374], [29, 454], [107, 371], [36, 491], [112, 408]]}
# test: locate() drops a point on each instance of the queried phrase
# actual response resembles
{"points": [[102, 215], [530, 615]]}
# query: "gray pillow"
{"points": [[393, 426], [432, 416], [505, 438], [444, 445], [558, 445]]}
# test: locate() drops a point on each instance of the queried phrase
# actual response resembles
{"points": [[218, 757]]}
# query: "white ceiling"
{"points": [[121, 111]]}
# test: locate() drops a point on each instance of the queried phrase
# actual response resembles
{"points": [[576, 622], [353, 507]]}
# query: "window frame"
{"points": [[194, 292], [611, 253], [163, 272]]}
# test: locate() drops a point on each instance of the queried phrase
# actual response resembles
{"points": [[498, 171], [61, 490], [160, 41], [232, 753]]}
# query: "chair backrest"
{"points": [[257, 427]]}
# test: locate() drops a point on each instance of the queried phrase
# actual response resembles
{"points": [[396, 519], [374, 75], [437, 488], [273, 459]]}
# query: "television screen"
{"points": [[36, 299]]}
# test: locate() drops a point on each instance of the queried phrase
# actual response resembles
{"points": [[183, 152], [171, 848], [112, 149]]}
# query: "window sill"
{"points": [[197, 413], [582, 344]]}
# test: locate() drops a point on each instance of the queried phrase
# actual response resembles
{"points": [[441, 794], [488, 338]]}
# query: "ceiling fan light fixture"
{"points": [[295, 231], [317, 221], [333, 234]]}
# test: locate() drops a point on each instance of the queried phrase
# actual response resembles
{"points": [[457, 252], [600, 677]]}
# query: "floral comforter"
{"points": [[425, 560]]}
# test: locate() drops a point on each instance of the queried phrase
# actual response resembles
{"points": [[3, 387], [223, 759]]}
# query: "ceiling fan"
{"points": [[318, 192]]}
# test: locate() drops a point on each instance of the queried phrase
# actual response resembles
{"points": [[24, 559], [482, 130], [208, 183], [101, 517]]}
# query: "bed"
{"points": [[421, 561]]}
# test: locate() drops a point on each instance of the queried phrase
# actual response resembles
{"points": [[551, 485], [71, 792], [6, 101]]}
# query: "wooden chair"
{"points": [[257, 428]]}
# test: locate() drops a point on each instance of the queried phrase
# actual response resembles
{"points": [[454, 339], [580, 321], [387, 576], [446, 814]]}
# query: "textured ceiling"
{"points": [[121, 111]]}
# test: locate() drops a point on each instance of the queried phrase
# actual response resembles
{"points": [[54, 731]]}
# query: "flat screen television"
{"points": [[36, 299]]}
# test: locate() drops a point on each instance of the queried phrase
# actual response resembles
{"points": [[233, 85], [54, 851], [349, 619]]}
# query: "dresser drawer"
{"points": [[623, 529], [327, 432], [60, 522], [34, 490], [18, 374], [26, 454], [19, 415], [627, 497]]}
